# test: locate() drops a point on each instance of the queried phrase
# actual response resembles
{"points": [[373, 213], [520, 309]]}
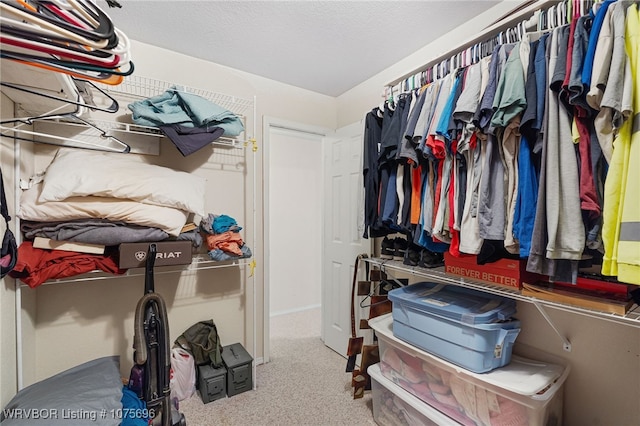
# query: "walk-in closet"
{"points": [[443, 235]]}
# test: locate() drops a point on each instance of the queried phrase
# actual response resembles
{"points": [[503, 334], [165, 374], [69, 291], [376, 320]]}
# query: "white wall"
{"points": [[295, 220]]}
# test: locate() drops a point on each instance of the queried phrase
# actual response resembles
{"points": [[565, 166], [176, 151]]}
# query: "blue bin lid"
{"points": [[453, 302]]}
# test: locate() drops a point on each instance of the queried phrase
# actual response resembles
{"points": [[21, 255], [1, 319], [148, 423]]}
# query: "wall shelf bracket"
{"points": [[566, 344]]}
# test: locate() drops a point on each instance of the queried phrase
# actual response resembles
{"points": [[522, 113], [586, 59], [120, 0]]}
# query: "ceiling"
{"points": [[327, 47]]}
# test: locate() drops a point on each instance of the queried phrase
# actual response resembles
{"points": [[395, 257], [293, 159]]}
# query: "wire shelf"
{"points": [[632, 317], [135, 88], [198, 263], [143, 87]]}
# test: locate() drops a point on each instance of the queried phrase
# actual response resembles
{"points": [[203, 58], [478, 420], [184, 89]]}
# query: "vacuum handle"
{"points": [[149, 286]]}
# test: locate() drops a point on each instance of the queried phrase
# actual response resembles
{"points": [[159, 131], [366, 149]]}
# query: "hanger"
{"points": [[55, 11], [542, 21], [76, 9], [100, 25], [64, 141], [59, 45], [113, 108], [111, 77], [71, 65], [380, 108], [550, 17], [369, 296], [87, 9], [11, 43], [33, 23]]}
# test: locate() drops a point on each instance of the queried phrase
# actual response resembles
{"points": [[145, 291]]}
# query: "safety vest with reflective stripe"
{"points": [[629, 236]]}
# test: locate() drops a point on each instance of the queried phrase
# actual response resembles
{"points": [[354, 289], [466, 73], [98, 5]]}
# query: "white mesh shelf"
{"points": [[632, 317]]}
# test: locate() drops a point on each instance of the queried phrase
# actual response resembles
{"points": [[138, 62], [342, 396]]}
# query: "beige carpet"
{"points": [[305, 383]]}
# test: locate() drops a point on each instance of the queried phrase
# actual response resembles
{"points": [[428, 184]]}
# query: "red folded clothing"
{"points": [[36, 266]]}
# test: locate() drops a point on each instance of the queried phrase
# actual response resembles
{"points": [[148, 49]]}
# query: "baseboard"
{"points": [[294, 310]]}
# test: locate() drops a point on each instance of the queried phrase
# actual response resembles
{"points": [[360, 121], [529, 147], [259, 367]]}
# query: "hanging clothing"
{"points": [[503, 157], [591, 57], [371, 174], [528, 161], [491, 211], [615, 105], [539, 262], [624, 258], [508, 105]]}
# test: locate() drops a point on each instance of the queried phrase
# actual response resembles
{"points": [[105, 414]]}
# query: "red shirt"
{"points": [[35, 266]]}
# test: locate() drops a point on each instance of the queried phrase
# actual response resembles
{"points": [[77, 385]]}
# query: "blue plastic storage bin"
{"points": [[469, 328]]}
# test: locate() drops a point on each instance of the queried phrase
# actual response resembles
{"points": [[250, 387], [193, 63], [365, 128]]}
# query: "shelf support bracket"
{"points": [[566, 344]]}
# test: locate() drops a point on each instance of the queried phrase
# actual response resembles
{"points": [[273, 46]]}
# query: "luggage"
{"points": [[152, 353]]}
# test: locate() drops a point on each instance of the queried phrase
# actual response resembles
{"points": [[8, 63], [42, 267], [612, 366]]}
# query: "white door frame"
{"points": [[269, 123]]}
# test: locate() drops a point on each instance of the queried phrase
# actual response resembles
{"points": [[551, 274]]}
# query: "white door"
{"points": [[343, 229]]}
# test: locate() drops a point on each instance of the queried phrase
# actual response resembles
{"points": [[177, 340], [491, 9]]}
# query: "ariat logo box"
{"points": [[504, 272], [134, 255]]}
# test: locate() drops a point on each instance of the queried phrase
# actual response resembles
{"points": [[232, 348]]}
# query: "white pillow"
{"points": [[78, 173], [168, 219]]}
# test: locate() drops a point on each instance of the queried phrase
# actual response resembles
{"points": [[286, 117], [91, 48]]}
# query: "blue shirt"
{"points": [[596, 26], [526, 198]]}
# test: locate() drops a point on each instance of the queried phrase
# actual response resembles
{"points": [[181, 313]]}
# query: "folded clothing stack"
{"points": [[224, 241]]}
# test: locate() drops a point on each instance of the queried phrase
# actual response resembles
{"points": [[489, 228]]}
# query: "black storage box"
{"points": [[239, 371], [212, 382]]}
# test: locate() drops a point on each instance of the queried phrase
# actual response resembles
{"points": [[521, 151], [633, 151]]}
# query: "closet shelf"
{"points": [[199, 263], [137, 87], [114, 128], [632, 317]]}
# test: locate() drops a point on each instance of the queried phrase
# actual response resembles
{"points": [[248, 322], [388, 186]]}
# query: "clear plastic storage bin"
{"points": [[393, 405], [523, 393]]}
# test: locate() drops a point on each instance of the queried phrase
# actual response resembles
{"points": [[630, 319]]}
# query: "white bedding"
{"points": [[78, 173], [168, 219]]}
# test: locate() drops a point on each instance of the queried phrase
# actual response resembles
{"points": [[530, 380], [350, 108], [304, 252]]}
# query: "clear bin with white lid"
{"points": [[524, 392], [393, 405]]}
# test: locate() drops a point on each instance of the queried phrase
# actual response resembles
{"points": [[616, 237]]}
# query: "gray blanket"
{"points": [[92, 231]]}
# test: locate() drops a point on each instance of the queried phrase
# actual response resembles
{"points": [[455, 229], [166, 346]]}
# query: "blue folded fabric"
{"points": [[224, 223], [218, 224], [220, 255], [189, 110], [134, 409]]}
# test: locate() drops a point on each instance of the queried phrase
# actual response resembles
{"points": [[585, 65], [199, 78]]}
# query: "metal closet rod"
{"points": [[514, 17]]}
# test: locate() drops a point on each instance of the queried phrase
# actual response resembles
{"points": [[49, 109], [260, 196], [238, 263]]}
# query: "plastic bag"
{"points": [[183, 374]]}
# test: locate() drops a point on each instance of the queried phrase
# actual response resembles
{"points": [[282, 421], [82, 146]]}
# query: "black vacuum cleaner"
{"points": [[152, 353]]}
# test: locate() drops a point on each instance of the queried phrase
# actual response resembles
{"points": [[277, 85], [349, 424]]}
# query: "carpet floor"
{"points": [[304, 383]]}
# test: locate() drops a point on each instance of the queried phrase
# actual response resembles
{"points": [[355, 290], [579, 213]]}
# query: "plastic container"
{"points": [[393, 405], [472, 329], [525, 392]]}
